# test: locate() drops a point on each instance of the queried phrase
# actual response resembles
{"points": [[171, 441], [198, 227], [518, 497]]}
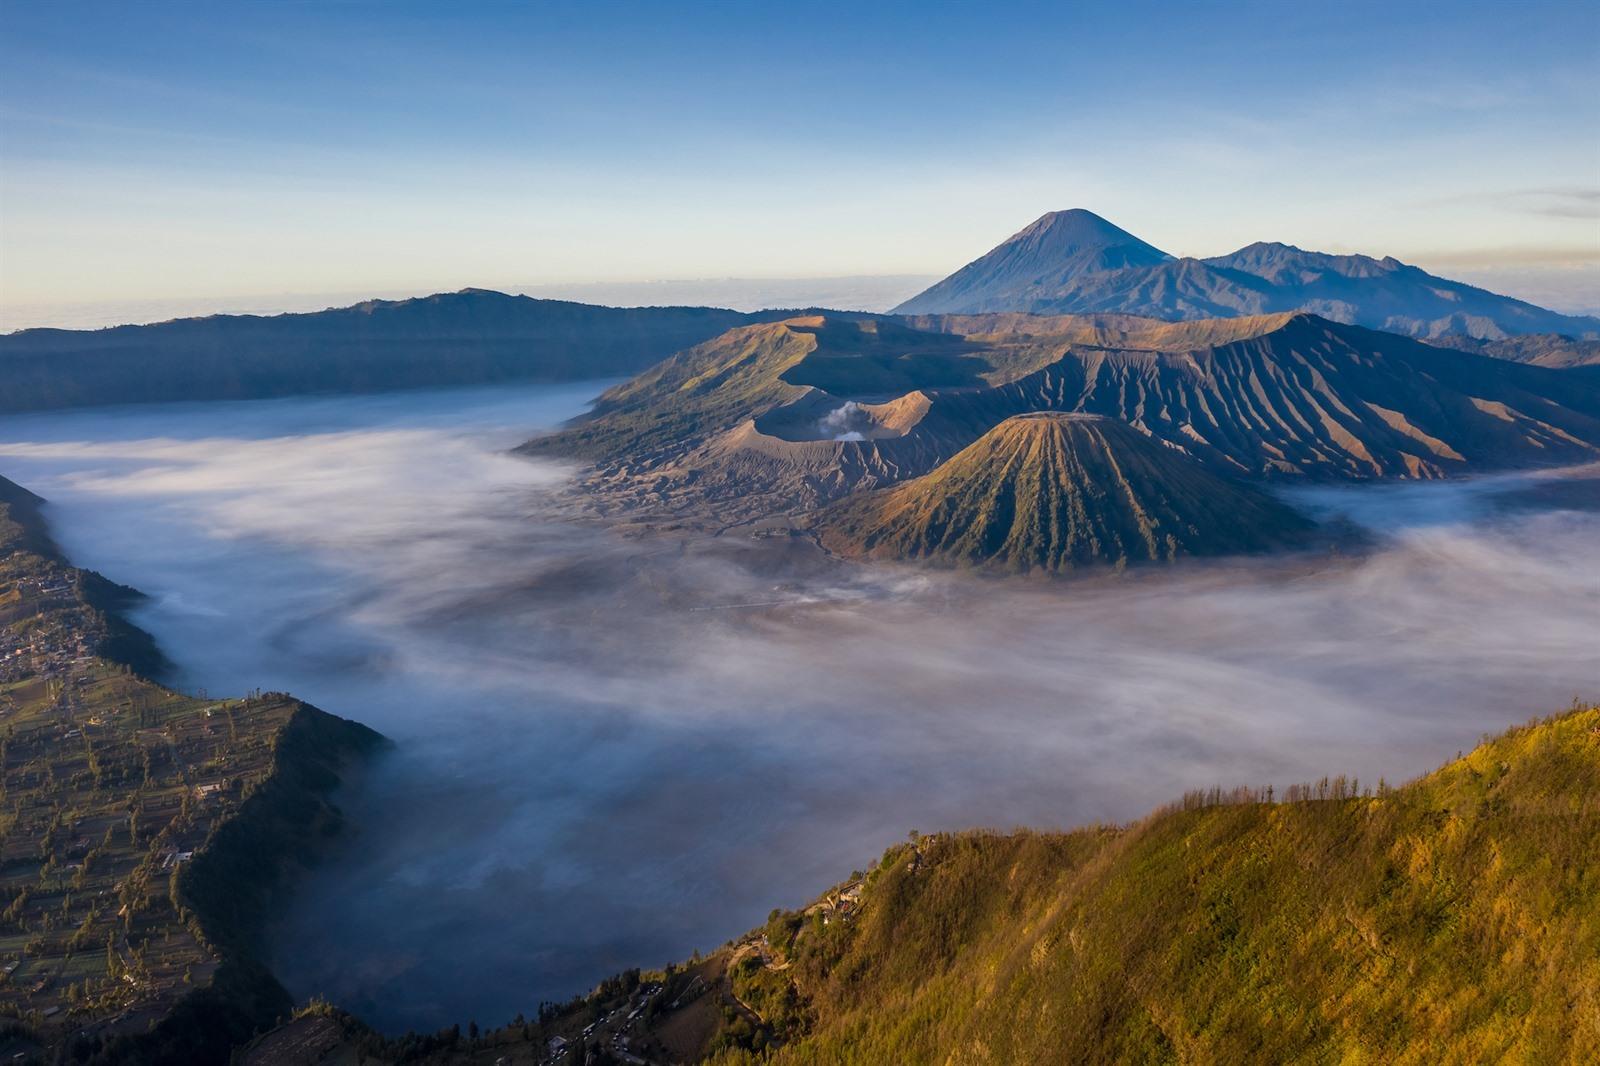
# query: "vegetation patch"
{"points": [[146, 833]]}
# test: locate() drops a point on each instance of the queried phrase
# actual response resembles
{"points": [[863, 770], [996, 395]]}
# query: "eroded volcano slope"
{"points": [[1054, 491], [781, 418]]}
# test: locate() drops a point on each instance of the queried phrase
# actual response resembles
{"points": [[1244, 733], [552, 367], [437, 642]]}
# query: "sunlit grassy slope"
{"points": [[1456, 919]]}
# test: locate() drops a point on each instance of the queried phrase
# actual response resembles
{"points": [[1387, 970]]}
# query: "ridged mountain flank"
{"points": [[1056, 491]]}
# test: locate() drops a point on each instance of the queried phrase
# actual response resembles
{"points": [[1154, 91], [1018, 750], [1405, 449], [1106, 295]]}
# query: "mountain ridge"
{"points": [[1260, 278], [1281, 394], [771, 426], [473, 336]]}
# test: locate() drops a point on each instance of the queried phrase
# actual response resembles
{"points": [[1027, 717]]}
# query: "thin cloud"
{"points": [[1568, 202], [1556, 201], [1524, 255]]}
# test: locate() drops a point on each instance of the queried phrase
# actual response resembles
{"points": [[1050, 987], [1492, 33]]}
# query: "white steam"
{"points": [[846, 422]]}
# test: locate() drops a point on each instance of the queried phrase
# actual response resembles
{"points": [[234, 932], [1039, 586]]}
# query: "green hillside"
{"points": [[1455, 919], [684, 399], [144, 834]]}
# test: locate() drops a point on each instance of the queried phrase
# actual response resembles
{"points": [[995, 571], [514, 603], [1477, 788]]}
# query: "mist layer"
{"points": [[611, 752]]}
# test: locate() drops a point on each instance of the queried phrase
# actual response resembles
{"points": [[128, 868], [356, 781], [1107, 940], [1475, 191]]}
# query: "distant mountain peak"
{"points": [[1075, 262], [1270, 247], [1077, 228], [1053, 249]]}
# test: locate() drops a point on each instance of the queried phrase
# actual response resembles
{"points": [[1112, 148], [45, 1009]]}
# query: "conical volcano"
{"points": [[1059, 491], [1054, 250]]}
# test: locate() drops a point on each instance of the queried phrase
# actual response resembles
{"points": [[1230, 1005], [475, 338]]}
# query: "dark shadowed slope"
{"points": [[1057, 491], [462, 338], [1104, 269]]}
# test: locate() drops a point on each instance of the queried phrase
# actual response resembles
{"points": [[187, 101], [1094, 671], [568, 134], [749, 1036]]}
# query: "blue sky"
{"points": [[172, 151]]}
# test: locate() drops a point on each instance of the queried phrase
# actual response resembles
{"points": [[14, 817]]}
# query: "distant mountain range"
{"points": [[786, 418], [1267, 396], [1074, 262], [1215, 366], [470, 337], [1539, 349], [1068, 262]]}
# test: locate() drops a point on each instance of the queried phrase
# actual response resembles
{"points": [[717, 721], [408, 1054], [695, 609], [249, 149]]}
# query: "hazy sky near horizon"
{"points": [[159, 151]]}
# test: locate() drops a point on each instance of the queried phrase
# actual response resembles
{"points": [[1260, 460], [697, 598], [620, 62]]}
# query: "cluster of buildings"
{"points": [[52, 646], [840, 903]]}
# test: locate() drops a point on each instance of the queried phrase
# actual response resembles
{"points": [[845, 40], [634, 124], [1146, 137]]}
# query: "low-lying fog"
{"points": [[613, 752]]}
